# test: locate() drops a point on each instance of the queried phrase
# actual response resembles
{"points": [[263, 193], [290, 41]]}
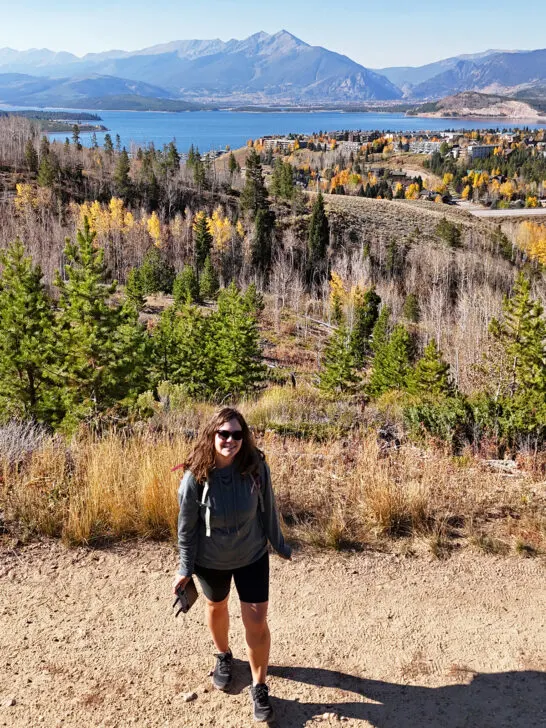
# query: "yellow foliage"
{"points": [[448, 179], [531, 201], [220, 228], [240, 229], [412, 191], [531, 237], [507, 189], [25, 198], [338, 294], [397, 189], [438, 199], [466, 192], [197, 219], [154, 229]]}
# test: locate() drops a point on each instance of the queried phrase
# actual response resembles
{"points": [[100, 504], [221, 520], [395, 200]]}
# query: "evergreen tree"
{"points": [[232, 166], [202, 240], [366, 312], [48, 170], [108, 146], [338, 367], [31, 156], [391, 367], [431, 374], [134, 290], [208, 283], [261, 240], [183, 347], [76, 137], [282, 180], [186, 287], [318, 239], [94, 142], [122, 181], [156, 274], [27, 340], [522, 334], [103, 346], [381, 330], [254, 194], [411, 309], [239, 366], [253, 301]]}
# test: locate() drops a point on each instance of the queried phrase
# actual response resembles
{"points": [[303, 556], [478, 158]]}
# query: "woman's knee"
{"points": [[254, 616], [217, 607]]}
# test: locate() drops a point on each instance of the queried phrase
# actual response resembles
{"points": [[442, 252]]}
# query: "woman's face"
{"points": [[225, 446]]}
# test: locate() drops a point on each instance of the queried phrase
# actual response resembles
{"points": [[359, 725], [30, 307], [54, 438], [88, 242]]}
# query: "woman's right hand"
{"points": [[179, 581]]}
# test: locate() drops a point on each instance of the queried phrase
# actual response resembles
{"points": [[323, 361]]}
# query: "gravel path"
{"points": [[88, 639]]}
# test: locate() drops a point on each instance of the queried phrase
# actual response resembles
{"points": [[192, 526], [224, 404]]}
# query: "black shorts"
{"points": [[251, 582]]}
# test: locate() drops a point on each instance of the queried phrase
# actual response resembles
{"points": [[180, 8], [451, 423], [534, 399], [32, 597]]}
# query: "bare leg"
{"points": [[258, 639], [218, 622]]}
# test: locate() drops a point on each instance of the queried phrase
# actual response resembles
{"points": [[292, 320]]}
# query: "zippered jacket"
{"points": [[227, 522]]}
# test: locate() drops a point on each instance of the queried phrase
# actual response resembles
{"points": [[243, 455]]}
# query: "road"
{"points": [[479, 211]]}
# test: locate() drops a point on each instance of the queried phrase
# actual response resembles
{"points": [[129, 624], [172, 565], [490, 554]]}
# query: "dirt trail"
{"points": [[87, 639]]}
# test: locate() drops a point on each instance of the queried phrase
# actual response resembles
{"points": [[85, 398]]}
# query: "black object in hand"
{"points": [[185, 597]]}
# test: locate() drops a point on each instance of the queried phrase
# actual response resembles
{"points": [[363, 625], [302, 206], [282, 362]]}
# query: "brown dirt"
{"points": [[88, 638]]}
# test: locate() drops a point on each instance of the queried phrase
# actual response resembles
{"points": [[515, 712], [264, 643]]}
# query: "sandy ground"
{"points": [[88, 638]]}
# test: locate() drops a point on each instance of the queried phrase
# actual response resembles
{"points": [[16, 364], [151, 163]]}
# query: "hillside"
{"points": [[471, 104]]}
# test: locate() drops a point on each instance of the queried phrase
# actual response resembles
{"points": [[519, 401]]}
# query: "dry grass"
{"points": [[335, 493]]}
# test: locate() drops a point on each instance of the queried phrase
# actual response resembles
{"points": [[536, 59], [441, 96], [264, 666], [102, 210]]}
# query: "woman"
{"points": [[227, 516]]}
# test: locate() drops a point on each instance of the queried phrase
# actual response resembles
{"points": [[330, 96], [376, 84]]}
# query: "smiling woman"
{"points": [[227, 517]]}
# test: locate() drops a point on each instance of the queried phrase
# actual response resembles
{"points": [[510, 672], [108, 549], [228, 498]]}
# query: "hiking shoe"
{"points": [[221, 676], [260, 698]]}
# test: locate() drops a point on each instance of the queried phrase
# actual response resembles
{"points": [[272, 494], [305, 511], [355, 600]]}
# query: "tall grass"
{"points": [[335, 493]]}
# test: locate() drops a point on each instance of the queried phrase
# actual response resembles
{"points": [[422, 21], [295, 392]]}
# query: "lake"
{"points": [[216, 129]]}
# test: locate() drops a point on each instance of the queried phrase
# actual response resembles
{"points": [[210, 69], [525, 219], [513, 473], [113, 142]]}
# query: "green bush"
{"points": [[447, 418]]}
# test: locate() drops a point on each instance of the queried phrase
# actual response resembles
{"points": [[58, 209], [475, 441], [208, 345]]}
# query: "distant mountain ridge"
{"points": [[260, 70]]}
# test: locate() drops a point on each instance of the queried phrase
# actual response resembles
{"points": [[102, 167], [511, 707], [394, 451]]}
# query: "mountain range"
{"points": [[262, 69]]}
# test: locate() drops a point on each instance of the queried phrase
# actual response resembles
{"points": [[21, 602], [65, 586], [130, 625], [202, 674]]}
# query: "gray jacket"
{"points": [[240, 520]]}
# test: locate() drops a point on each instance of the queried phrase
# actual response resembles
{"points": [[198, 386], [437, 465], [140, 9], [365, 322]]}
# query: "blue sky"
{"points": [[374, 34]]}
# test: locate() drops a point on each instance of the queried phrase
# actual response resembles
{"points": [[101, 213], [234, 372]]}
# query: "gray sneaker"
{"points": [[221, 676], [263, 710]]}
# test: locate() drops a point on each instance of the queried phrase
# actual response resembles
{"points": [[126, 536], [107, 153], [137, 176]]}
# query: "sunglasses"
{"points": [[226, 434]]}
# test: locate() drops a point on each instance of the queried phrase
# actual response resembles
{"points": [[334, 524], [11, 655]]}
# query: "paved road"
{"points": [[524, 212]]}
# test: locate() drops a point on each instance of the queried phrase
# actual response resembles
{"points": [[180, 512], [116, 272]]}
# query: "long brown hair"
{"points": [[201, 460]]}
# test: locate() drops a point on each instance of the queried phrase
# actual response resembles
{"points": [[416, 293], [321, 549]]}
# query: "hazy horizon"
{"points": [[373, 36]]}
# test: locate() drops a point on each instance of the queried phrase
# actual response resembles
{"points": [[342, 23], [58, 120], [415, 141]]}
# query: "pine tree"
{"points": [[261, 240], [254, 194], [108, 146], [232, 166], [318, 239], [366, 312], [103, 346], [253, 300], [239, 366], [48, 170], [431, 375], [186, 287], [134, 290], [202, 240], [338, 366], [122, 181], [31, 156], [381, 330], [522, 333], [391, 367], [411, 309], [208, 283], [76, 137], [156, 274], [27, 340], [183, 350]]}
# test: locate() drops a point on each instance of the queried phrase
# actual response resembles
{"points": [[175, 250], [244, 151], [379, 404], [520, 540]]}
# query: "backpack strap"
{"points": [[206, 503]]}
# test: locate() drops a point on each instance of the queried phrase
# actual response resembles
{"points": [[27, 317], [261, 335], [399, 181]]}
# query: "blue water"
{"points": [[216, 129]]}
